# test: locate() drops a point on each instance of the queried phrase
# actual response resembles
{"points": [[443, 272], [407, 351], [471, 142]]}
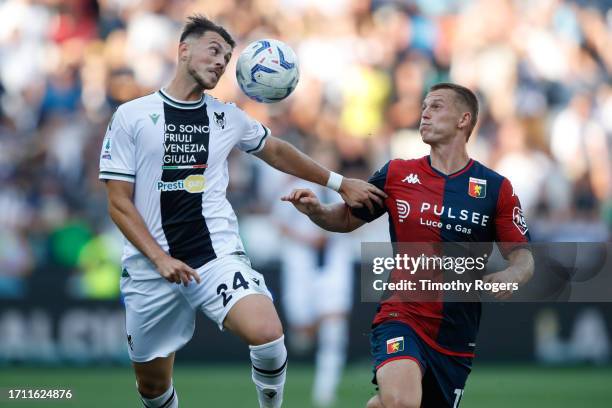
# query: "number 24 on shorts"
{"points": [[238, 282]]}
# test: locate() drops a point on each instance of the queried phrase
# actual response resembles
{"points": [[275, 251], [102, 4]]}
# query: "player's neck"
{"points": [[184, 90], [449, 159]]}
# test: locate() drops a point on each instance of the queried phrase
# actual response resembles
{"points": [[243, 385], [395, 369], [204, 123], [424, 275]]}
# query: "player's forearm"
{"points": [[288, 159], [521, 261], [333, 217], [129, 221]]}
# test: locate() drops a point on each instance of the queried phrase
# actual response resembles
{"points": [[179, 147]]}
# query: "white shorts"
{"points": [[160, 316]]}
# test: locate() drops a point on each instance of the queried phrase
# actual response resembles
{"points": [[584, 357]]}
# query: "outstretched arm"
{"points": [[285, 157], [332, 217]]}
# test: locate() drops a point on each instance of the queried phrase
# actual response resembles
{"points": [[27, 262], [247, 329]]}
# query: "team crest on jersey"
{"points": [[220, 119], [519, 220], [395, 345], [477, 188]]}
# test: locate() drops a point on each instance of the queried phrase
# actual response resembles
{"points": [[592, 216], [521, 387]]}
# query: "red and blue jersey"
{"points": [[474, 204]]}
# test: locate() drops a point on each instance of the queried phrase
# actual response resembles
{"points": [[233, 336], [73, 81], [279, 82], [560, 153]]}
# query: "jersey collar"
{"points": [[181, 104], [427, 163]]}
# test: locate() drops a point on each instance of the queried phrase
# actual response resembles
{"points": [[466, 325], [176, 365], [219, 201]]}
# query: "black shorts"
{"points": [[444, 376]]}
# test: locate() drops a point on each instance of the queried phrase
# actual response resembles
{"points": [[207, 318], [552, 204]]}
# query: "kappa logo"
{"points": [[220, 119], [411, 179], [403, 209], [154, 117], [519, 220]]}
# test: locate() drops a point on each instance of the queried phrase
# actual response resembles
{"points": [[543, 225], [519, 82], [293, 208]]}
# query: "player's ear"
{"points": [[183, 51], [464, 120]]}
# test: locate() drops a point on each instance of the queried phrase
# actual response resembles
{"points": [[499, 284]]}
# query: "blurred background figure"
{"points": [[317, 286]]}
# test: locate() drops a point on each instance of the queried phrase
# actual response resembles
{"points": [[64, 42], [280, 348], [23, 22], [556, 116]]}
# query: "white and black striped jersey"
{"points": [[175, 153]]}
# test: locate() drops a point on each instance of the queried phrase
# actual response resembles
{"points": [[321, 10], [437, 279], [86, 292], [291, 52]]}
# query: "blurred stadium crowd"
{"points": [[541, 69]]}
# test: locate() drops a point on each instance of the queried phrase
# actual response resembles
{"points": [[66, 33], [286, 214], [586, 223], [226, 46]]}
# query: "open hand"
{"points": [[508, 276]]}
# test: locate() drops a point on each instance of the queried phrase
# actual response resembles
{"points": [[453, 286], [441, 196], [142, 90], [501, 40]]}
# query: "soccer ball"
{"points": [[267, 71]]}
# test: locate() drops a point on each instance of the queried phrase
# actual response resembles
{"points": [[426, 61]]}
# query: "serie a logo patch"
{"points": [[395, 345]]}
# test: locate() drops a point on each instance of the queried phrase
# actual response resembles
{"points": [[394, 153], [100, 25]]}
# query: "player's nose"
{"points": [[220, 62]]}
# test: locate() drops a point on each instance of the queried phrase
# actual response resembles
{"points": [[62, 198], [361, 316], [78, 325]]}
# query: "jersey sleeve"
{"points": [[511, 230], [117, 159], [253, 134], [379, 179]]}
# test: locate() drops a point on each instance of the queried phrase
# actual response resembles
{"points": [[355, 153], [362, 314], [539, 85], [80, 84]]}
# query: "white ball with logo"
{"points": [[267, 70]]}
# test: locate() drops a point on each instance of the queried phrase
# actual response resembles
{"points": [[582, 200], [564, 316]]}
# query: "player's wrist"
{"points": [[158, 258], [334, 181]]}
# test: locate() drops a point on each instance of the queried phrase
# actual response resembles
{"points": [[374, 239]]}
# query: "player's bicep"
{"points": [[270, 150], [364, 215], [378, 179], [119, 192], [354, 222]]}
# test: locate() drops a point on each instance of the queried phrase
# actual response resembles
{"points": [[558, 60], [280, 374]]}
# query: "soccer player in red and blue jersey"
{"points": [[423, 350]]}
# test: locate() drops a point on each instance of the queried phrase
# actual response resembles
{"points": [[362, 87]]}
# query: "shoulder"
{"points": [[501, 188], [139, 104], [225, 110], [132, 111], [216, 104], [482, 171], [405, 165], [128, 116]]}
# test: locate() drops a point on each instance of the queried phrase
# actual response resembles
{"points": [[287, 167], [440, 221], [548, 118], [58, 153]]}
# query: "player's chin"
{"points": [[426, 137], [214, 80], [207, 81], [209, 84]]}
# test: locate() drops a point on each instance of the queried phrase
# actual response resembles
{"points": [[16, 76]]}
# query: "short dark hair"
{"points": [[197, 25], [466, 96]]}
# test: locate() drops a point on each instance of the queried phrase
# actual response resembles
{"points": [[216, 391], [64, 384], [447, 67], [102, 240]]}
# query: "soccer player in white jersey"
{"points": [[164, 160]]}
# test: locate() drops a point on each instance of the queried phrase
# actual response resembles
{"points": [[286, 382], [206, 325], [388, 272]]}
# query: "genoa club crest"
{"points": [[477, 188], [395, 345]]}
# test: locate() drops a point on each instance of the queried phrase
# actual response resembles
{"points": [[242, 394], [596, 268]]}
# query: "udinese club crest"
{"points": [[220, 119]]}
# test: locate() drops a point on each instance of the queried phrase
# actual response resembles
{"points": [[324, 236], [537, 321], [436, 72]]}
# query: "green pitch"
{"points": [[230, 386]]}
